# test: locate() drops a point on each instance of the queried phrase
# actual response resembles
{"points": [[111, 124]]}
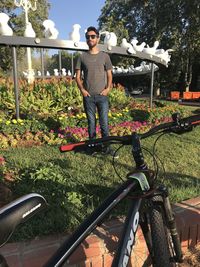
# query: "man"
{"points": [[95, 84]]}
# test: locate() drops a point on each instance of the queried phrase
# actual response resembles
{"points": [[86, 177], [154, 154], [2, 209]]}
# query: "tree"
{"points": [[17, 23], [174, 23]]}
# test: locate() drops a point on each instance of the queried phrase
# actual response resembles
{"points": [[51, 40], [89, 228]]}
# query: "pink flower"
{"points": [[60, 135], [2, 161]]}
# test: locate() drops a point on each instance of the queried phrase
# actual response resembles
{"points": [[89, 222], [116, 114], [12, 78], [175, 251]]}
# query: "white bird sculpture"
{"points": [[110, 39], [69, 73], [114, 69], [75, 34], [118, 70], [47, 73], [127, 46], [50, 31], [165, 56], [131, 69], [56, 73], [151, 50], [137, 47], [5, 29], [25, 73], [159, 51], [64, 73], [29, 32], [39, 73]]}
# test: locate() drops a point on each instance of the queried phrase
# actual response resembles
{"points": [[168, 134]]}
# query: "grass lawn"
{"points": [[74, 184]]}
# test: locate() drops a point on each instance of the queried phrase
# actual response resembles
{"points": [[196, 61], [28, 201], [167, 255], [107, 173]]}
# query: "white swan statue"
{"points": [[75, 34], [50, 31], [110, 39], [5, 29], [127, 46], [137, 47], [29, 32]]}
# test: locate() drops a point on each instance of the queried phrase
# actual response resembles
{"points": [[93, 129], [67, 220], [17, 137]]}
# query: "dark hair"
{"points": [[91, 28]]}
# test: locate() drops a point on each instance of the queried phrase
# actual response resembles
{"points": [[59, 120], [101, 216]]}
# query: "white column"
{"points": [[26, 5]]}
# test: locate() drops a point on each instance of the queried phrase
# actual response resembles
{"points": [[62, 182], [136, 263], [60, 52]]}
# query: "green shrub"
{"points": [[118, 99], [21, 126], [44, 97]]}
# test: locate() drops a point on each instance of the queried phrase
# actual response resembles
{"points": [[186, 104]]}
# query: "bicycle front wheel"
{"points": [[162, 245]]}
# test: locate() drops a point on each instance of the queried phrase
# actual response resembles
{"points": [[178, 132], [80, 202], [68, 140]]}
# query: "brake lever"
{"points": [[88, 148], [180, 126]]}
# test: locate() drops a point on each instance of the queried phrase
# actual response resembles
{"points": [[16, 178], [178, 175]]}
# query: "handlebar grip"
{"points": [[71, 147], [194, 120]]}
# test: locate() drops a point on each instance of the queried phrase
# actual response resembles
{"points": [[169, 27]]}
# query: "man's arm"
{"points": [[80, 83], [109, 83]]}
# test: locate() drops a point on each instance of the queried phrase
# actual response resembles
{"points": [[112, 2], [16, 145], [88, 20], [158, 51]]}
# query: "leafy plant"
{"points": [[118, 99]]}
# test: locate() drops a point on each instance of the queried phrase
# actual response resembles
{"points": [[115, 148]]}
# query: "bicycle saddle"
{"points": [[18, 211]]}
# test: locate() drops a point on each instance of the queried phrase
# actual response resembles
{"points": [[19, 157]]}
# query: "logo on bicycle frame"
{"points": [[131, 240]]}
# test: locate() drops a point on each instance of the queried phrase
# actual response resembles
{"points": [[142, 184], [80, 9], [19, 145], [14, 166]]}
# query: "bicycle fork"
{"points": [[171, 222]]}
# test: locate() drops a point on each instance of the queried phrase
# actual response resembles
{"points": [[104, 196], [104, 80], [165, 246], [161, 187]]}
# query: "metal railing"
{"points": [[16, 41]]}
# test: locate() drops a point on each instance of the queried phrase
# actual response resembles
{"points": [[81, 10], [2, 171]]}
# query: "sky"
{"points": [[65, 13]]}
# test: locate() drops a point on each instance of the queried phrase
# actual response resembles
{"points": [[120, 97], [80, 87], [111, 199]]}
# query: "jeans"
{"points": [[99, 103]]}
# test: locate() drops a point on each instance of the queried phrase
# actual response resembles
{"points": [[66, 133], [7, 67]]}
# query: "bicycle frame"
{"points": [[127, 240], [138, 212], [96, 217]]}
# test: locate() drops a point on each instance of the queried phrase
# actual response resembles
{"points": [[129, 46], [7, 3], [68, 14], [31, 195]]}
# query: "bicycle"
{"points": [[149, 206]]}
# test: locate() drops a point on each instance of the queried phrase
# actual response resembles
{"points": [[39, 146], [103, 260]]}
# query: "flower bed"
{"points": [[70, 128], [52, 113]]}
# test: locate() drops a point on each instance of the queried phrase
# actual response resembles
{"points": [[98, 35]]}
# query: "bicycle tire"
{"points": [[161, 239], [174, 243]]}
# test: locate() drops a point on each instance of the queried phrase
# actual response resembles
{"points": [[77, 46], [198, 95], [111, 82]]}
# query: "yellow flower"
{"points": [[125, 110], [78, 116], [20, 120], [14, 121], [7, 122], [1, 120]]}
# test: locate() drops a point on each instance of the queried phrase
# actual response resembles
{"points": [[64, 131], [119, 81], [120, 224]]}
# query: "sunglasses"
{"points": [[92, 36]]}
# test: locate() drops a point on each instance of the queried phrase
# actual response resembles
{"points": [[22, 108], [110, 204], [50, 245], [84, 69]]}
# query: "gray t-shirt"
{"points": [[94, 67]]}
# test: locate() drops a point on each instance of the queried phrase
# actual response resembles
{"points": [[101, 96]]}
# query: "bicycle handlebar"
{"points": [[178, 126]]}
